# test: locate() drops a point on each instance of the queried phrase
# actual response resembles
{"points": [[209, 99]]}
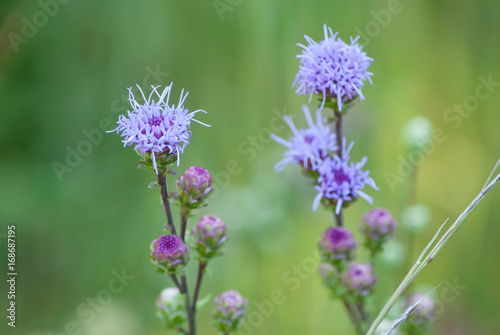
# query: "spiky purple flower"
{"points": [[230, 310], [156, 127], [378, 226], [210, 234], [332, 68], [337, 243], [169, 252], [341, 181], [194, 185], [360, 279], [307, 147]]}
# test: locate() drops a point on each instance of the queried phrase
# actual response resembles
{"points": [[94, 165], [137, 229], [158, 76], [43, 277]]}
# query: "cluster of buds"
{"points": [[230, 310], [193, 187], [337, 247], [209, 234], [378, 226], [169, 253], [171, 307]]}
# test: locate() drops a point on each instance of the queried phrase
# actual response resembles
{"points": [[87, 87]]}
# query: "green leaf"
{"points": [[204, 301], [172, 172], [153, 184]]}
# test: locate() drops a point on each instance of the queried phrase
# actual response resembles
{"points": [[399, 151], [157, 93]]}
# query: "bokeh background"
{"points": [[237, 59]]}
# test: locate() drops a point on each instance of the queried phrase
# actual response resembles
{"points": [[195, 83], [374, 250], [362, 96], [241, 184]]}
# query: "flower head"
{"points": [[337, 243], [210, 234], [307, 147], [169, 252], [230, 310], [378, 226], [360, 279], [155, 127], [341, 181], [194, 185], [424, 313], [332, 68]]}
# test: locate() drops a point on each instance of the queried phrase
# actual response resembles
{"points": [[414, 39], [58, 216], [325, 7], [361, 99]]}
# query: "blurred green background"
{"points": [[65, 76]]}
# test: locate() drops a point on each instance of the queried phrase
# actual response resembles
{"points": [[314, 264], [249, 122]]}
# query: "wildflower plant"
{"points": [[159, 132], [335, 72]]}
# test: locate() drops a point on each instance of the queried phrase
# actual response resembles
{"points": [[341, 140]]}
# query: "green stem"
{"points": [[353, 315], [424, 260]]}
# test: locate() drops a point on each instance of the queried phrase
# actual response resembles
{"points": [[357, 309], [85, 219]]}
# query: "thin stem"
{"points": [[182, 330], [339, 218], [420, 264], [189, 311], [176, 282], [338, 131], [162, 181], [201, 271], [184, 218], [354, 315], [362, 311]]}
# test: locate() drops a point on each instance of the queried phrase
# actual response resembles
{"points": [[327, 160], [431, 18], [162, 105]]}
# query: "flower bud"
{"points": [[169, 253], [210, 234], [337, 244], [171, 308], [415, 218], [378, 226], [423, 315], [230, 310], [360, 279], [194, 186], [417, 132]]}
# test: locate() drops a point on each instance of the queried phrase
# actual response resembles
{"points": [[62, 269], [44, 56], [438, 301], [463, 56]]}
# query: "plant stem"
{"points": [[423, 261], [176, 282], [189, 311], [182, 330], [339, 218], [184, 218], [201, 271], [338, 131], [162, 181], [362, 312], [354, 315]]}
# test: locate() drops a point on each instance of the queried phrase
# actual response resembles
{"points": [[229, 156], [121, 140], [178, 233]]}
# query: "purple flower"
{"points": [[341, 181], [307, 147], [424, 313], [337, 243], [194, 185], [230, 310], [210, 234], [169, 252], [332, 68], [156, 127], [378, 226], [360, 279]]}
